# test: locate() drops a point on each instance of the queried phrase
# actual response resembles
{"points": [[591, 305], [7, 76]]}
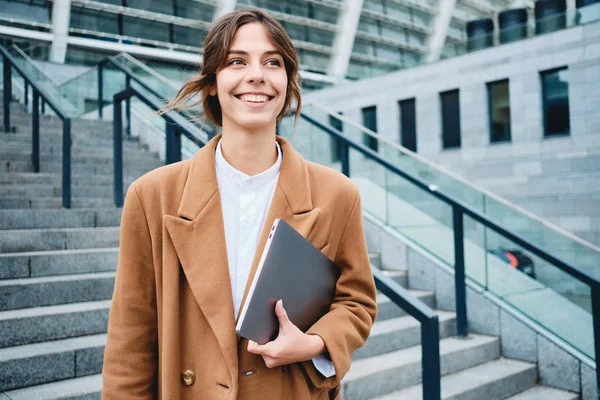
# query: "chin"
{"points": [[256, 122]]}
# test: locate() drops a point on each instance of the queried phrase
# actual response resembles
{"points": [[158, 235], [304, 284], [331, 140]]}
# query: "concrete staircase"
{"points": [[57, 270]]}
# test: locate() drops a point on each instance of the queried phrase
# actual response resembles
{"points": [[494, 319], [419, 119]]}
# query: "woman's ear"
{"points": [[212, 91]]}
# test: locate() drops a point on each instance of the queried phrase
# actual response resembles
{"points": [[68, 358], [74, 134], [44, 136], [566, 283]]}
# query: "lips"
{"points": [[254, 97]]}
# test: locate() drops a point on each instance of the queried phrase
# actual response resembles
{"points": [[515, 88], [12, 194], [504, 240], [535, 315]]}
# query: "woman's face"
{"points": [[252, 86]]}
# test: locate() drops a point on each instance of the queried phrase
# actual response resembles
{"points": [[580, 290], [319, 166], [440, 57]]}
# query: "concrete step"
{"points": [[54, 202], [544, 393], [57, 262], [60, 218], [55, 140], [399, 276], [34, 364], [52, 190], [53, 290], [386, 373], [16, 240], [84, 388], [42, 324], [101, 156], [129, 148], [399, 333], [55, 137], [130, 167], [49, 178], [494, 380], [388, 310]]}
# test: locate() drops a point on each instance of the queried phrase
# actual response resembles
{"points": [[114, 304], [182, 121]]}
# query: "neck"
{"points": [[250, 152]]}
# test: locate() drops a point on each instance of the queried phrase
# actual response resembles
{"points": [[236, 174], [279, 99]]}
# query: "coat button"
{"points": [[188, 377]]}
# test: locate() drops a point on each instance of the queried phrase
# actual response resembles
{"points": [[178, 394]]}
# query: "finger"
{"points": [[255, 348], [281, 313]]}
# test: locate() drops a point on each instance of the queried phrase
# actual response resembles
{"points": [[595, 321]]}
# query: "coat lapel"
{"points": [[198, 235]]}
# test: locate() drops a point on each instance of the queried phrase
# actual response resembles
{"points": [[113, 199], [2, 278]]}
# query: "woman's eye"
{"points": [[274, 63], [236, 61]]}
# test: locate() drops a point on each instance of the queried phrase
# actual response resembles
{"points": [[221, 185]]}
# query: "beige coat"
{"points": [[171, 328]]}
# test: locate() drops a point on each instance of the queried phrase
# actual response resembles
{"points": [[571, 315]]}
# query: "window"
{"points": [[499, 111], [336, 124], [450, 119], [555, 99], [369, 116], [408, 124]]}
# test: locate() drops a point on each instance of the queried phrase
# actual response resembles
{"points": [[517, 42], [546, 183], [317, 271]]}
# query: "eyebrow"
{"points": [[245, 53]]}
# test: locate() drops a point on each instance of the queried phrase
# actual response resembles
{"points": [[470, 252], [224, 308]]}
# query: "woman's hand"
{"points": [[291, 345]]}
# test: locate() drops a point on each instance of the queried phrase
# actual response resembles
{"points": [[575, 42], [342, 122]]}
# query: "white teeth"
{"points": [[253, 98]]}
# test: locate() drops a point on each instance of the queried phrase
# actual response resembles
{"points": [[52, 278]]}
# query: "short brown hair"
{"points": [[216, 45]]}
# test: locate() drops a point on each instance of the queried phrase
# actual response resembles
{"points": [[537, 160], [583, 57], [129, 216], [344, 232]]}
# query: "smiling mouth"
{"points": [[254, 98]]}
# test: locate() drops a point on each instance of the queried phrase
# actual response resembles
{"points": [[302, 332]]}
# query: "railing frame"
{"points": [[459, 210], [39, 96]]}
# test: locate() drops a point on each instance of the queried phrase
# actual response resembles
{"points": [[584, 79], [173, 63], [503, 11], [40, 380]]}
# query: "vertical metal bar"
{"points": [[26, 105], [118, 151], [173, 137], [596, 320], [43, 106], [7, 93], [100, 91], [35, 129], [345, 157], [430, 347], [66, 167], [462, 327], [128, 109]]}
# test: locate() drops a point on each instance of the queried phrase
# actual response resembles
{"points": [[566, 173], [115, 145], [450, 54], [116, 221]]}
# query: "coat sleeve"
{"points": [[348, 323], [130, 367]]}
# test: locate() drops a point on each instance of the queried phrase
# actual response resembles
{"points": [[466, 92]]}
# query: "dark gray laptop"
{"points": [[294, 270]]}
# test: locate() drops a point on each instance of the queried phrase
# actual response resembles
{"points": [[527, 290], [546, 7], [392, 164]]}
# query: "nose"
{"points": [[255, 73]]}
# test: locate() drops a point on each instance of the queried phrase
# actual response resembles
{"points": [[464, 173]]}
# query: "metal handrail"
{"points": [[130, 75], [176, 125], [38, 92], [459, 211], [454, 176], [430, 331]]}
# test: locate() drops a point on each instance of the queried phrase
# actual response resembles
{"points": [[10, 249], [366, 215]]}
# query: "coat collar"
{"points": [[202, 184], [198, 235]]}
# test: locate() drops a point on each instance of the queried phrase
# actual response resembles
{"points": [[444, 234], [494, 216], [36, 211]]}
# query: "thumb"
{"points": [[281, 313]]}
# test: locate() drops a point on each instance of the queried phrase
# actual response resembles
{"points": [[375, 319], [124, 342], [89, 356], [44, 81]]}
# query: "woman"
{"points": [[192, 234]]}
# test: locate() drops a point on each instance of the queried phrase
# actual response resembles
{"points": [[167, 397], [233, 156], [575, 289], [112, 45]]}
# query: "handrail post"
{"points": [[66, 167], [462, 326], [344, 157], [173, 145], [118, 151], [7, 93], [596, 321], [35, 151], [100, 91], [128, 109], [430, 347], [26, 105]]}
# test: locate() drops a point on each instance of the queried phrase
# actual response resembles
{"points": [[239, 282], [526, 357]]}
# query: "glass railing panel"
{"points": [[419, 216], [542, 291], [371, 180], [428, 221], [36, 73], [155, 81]]}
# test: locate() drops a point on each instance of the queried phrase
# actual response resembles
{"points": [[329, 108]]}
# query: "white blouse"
{"points": [[245, 201]]}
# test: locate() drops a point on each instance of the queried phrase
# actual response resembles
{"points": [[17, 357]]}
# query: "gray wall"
{"points": [[557, 178]]}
